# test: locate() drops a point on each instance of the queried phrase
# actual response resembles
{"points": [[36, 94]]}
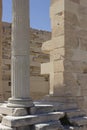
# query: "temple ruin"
{"points": [[67, 50], [65, 106], [1, 86], [37, 37]]}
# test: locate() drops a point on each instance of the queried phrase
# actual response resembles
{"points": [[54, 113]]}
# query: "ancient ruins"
{"points": [[68, 53], [1, 88], [37, 37], [65, 106]]}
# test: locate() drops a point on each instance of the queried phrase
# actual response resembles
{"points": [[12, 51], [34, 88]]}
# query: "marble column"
{"points": [[20, 55]]}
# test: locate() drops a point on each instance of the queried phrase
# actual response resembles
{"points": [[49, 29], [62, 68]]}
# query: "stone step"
{"points": [[4, 110], [13, 121], [58, 106], [73, 128], [2, 127], [46, 108], [74, 113], [54, 125], [57, 126], [79, 121], [76, 128], [42, 108]]}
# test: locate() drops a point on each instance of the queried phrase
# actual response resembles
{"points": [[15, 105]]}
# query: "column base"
{"points": [[20, 103]]}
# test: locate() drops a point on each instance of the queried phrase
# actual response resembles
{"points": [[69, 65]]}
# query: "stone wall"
{"points": [[68, 50], [1, 87], [39, 85]]}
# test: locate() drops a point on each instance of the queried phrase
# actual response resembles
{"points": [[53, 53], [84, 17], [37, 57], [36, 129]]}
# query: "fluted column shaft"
{"points": [[20, 54]]}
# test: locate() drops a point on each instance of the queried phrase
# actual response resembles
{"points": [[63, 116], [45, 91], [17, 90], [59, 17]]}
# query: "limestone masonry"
{"points": [[39, 84], [1, 86], [63, 67], [68, 51]]}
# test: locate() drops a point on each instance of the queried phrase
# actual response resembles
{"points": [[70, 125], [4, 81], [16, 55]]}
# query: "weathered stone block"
{"points": [[2, 127], [79, 55], [58, 66], [83, 3], [55, 43], [71, 18], [71, 7], [11, 111], [47, 68], [49, 126], [83, 44], [82, 80], [54, 8], [57, 54], [12, 121], [56, 33], [76, 1]]}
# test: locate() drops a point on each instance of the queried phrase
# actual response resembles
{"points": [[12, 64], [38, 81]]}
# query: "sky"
{"points": [[39, 13]]}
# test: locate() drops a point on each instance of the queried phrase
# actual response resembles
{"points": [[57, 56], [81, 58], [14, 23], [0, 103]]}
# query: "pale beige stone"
{"points": [[68, 22], [42, 85], [67, 50], [36, 58], [30, 119], [76, 1], [57, 54], [83, 23], [2, 127], [82, 33], [58, 87], [56, 32], [50, 71], [4, 110], [83, 44], [47, 68], [71, 6], [83, 3], [71, 18], [79, 55], [82, 80], [53, 44], [58, 66], [54, 8], [1, 87]]}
